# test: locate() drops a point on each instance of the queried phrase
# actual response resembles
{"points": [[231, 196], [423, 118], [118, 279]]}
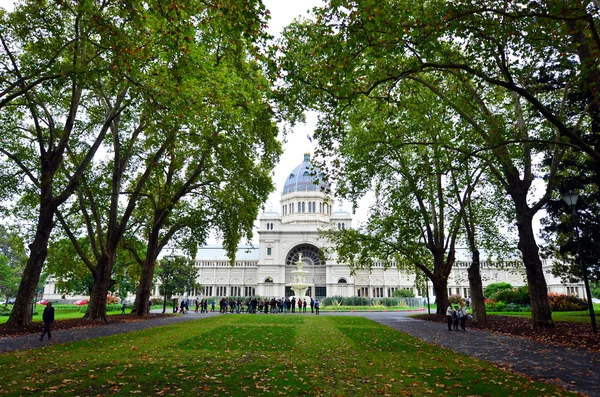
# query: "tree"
{"points": [[371, 49], [215, 171], [91, 54], [414, 222], [177, 275], [12, 261], [580, 174]]}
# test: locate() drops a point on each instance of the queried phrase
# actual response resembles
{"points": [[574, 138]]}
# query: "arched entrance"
{"points": [[314, 263]]}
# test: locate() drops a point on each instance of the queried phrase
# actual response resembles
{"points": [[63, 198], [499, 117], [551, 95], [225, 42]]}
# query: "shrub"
{"points": [[455, 299], [596, 293], [565, 303], [519, 296], [493, 306], [5, 310], [515, 307], [111, 300], [491, 289], [404, 293]]}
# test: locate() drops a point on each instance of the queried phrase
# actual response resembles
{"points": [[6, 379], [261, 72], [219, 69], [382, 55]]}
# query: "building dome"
{"points": [[305, 178]]}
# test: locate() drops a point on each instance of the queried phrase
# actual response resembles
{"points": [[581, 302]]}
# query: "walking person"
{"points": [[449, 316], [48, 318]]}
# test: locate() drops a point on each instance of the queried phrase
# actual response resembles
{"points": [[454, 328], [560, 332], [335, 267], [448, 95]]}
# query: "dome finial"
{"points": [[306, 157]]}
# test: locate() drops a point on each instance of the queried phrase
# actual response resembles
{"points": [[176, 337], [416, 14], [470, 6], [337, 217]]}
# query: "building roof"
{"points": [[305, 177], [216, 252]]}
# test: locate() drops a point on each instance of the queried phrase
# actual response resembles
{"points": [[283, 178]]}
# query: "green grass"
{"points": [[61, 313], [367, 308], [258, 356], [578, 316]]}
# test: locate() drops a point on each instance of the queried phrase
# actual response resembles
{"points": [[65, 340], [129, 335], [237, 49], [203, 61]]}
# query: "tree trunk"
{"points": [[22, 310], [440, 286], [97, 307], [142, 296], [476, 286], [541, 315]]}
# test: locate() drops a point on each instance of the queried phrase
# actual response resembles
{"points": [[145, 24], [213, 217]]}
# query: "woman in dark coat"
{"points": [[48, 317]]}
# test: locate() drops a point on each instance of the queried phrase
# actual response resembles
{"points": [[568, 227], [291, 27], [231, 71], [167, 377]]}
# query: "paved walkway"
{"points": [[572, 368]]}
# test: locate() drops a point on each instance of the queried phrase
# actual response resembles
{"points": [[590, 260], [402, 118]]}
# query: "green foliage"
{"points": [[404, 293], [358, 301], [12, 262], [566, 303], [494, 287], [518, 296], [455, 299], [596, 293]]}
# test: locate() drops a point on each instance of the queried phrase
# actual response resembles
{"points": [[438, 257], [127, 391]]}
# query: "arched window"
{"points": [[303, 209], [268, 280], [342, 281], [299, 207]]}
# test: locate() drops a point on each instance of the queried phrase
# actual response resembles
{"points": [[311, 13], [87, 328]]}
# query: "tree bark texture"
{"points": [[541, 315], [22, 309], [476, 286], [97, 307]]}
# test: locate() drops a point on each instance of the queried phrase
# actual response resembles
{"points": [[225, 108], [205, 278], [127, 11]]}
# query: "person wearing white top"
{"points": [[449, 317]]}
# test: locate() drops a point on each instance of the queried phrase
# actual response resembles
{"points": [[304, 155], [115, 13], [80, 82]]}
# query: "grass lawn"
{"points": [[61, 313], [578, 316], [258, 355]]}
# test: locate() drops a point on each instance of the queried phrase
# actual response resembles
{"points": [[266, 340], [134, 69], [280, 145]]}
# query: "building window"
{"points": [[320, 292], [249, 291], [269, 280], [268, 251], [303, 209], [378, 292], [363, 291], [342, 281], [320, 208], [299, 207]]}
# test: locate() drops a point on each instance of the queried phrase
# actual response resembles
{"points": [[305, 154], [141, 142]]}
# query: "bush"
{"points": [[404, 293], [596, 293], [109, 308], [493, 306], [518, 296], [492, 289], [5, 310], [566, 303], [112, 300], [455, 299]]}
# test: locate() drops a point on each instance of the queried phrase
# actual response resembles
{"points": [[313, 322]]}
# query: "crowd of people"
{"points": [[251, 305]]}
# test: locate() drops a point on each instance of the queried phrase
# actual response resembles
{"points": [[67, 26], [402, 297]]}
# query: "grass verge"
{"points": [[62, 314], [258, 356]]}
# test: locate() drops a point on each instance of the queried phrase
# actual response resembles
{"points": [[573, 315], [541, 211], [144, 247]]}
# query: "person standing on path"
{"points": [[48, 317], [449, 316], [317, 306], [462, 315], [455, 317]]}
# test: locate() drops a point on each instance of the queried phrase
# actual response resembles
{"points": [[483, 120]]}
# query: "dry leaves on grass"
{"points": [[564, 334], [73, 323]]}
